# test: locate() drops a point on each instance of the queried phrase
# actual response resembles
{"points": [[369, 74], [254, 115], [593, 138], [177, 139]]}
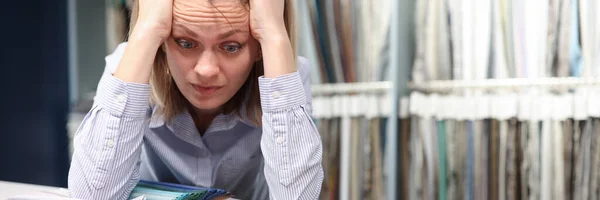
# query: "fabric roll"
{"points": [[359, 47], [316, 9], [480, 143], [376, 34], [589, 46], [526, 159], [462, 143], [320, 24], [329, 129], [533, 149], [344, 26], [368, 157], [509, 26], [511, 161], [575, 57], [416, 169], [323, 127], [470, 174], [377, 187], [405, 134], [346, 153], [462, 169], [456, 19], [306, 40], [588, 159], [499, 65], [558, 176], [577, 161], [428, 125], [432, 42], [502, 164], [443, 42], [436, 163], [494, 164], [519, 159], [546, 166], [452, 159], [518, 14], [536, 36], [334, 42], [355, 160], [568, 157], [587, 140], [419, 70], [595, 168], [583, 161], [337, 130], [365, 150], [552, 41], [480, 38], [441, 125], [564, 29]]}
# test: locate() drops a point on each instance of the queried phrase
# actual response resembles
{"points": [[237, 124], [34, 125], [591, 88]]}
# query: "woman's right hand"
{"points": [[154, 18], [152, 27]]}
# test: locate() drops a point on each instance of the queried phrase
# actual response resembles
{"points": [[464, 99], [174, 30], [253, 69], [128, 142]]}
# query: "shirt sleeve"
{"points": [[107, 145], [290, 143]]}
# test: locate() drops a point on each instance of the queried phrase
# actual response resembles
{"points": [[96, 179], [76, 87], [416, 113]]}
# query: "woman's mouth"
{"points": [[207, 90]]}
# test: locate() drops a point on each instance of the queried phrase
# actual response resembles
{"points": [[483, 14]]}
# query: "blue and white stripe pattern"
{"points": [[121, 142]]}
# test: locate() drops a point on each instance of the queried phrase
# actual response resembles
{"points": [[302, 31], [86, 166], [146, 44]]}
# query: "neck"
{"points": [[203, 118]]}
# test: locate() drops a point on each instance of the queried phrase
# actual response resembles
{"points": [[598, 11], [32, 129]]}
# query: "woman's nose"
{"points": [[207, 65]]}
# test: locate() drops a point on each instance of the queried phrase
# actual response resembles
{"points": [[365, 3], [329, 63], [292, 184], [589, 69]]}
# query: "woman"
{"points": [[185, 101]]}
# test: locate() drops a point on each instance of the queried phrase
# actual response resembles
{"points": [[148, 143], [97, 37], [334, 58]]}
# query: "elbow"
{"points": [[80, 190], [82, 184]]}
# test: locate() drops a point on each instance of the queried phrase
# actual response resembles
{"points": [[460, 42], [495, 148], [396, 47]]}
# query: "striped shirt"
{"points": [[120, 142]]}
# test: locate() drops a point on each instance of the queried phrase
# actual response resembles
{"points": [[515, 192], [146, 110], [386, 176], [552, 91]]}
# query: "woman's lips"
{"points": [[207, 90]]}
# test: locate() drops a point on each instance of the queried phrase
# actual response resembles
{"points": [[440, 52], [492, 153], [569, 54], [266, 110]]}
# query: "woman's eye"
{"points": [[185, 44], [231, 48]]}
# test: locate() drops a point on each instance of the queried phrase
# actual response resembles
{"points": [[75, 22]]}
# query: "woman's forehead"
{"points": [[206, 12]]}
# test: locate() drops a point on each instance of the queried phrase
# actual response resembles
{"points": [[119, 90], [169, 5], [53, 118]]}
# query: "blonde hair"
{"points": [[169, 100]]}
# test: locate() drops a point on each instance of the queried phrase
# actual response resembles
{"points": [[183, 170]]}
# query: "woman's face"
{"points": [[211, 50]]}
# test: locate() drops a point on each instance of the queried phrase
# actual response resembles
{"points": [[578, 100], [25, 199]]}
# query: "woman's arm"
{"points": [[290, 142], [107, 145]]}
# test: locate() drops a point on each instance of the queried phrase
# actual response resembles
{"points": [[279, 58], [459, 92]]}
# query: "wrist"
{"points": [[278, 57], [137, 60], [274, 36], [146, 33], [276, 44]]}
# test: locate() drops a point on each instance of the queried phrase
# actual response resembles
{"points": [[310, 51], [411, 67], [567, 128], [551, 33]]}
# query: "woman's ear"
{"points": [[163, 47]]}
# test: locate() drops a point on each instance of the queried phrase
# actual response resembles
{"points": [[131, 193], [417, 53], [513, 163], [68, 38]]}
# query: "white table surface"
{"points": [[34, 192], [11, 189]]}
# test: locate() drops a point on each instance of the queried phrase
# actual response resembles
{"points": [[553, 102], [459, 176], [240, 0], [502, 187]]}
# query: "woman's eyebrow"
{"points": [[229, 33], [185, 29]]}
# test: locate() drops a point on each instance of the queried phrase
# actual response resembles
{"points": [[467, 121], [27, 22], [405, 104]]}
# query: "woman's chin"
{"points": [[210, 104]]}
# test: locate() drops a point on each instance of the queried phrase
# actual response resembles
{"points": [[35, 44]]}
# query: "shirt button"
{"points": [[276, 94], [121, 98], [280, 140], [110, 143]]}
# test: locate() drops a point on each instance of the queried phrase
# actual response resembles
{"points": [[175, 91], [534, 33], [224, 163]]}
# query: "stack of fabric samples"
{"points": [[159, 191]]}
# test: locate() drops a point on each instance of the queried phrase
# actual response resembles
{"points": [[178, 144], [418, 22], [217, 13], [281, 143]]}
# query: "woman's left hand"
{"points": [[267, 20], [267, 25]]}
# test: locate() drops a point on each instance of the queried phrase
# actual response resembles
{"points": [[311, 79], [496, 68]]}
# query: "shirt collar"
{"points": [[185, 121], [156, 120]]}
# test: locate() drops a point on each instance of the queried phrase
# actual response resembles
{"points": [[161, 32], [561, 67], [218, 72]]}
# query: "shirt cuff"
{"points": [[123, 98], [281, 92]]}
